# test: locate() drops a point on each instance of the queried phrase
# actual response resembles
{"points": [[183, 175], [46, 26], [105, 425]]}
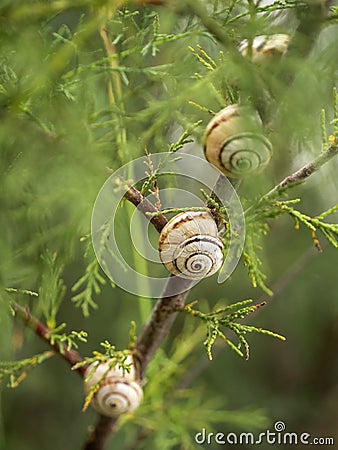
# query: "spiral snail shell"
{"points": [[234, 143], [190, 247], [118, 393], [265, 47]]}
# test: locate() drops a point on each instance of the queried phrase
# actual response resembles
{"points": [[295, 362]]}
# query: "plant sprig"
{"points": [[184, 138], [279, 207], [251, 257], [12, 290], [110, 352], [227, 317], [52, 287], [16, 371], [68, 340], [90, 282], [329, 230]]}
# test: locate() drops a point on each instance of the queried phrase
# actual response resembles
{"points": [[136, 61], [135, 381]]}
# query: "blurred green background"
{"points": [[68, 117]]}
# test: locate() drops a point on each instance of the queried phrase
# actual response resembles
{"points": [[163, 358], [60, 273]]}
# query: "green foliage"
{"points": [[250, 255], [68, 340], [257, 227], [117, 357], [329, 230], [269, 207], [70, 107], [52, 288], [224, 92], [16, 371], [150, 184], [272, 209], [185, 138], [90, 281], [335, 113], [225, 317]]}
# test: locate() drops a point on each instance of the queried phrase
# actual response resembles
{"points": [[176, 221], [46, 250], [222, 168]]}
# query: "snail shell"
{"points": [[118, 393], [190, 247], [234, 144], [265, 47]]}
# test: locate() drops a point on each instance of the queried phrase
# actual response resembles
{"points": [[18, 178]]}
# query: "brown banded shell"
{"points": [[189, 245], [234, 143], [117, 394], [266, 47]]}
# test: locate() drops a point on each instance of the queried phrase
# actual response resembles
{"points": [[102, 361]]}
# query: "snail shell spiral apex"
{"points": [[190, 247], [117, 394], [234, 142], [266, 47]]}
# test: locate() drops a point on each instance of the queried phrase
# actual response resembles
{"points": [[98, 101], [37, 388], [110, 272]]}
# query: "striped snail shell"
{"points": [[265, 48], [190, 247], [234, 144], [118, 393]]}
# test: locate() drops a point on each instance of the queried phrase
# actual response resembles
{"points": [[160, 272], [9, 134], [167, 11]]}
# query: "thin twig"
{"points": [[299, 176], [151, 174], [303, 173], [41, 330]]}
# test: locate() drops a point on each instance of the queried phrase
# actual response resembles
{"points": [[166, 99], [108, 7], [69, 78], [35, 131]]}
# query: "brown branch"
{"points": [[98, 436], [145, 206], [160, 322], [41, 330], [167, 307]]}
